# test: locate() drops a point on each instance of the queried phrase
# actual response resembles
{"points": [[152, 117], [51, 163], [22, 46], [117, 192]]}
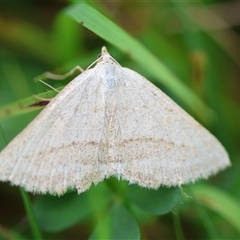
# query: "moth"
{"points": [[110, 121]]}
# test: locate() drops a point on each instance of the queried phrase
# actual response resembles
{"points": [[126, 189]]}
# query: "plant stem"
{"points": [[177, 227], [31, 217]]}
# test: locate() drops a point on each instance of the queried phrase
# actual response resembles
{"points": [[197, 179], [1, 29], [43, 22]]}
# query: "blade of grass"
{"points": [[218, 201], [25, 105], [106, 29], [31, 217], [207, 222]]}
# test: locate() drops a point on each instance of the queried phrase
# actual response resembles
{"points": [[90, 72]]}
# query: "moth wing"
{"points": [[158, 143], [61, 147]]}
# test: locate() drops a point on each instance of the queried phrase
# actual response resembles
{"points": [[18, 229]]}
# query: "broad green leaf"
{"points": [[219, 201], [158, 201], [106, 29], [117, 224], [58, 213]]}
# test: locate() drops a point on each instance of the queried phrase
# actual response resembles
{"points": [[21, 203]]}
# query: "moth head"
{"points": [[105, 56]]}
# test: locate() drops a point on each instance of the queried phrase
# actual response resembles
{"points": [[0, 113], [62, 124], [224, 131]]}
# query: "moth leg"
{"points": [[64, 76], [54, 77], [43, 99]]}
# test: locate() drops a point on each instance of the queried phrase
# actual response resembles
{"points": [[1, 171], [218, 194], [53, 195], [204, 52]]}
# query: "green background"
{"points": [[189, 49]]}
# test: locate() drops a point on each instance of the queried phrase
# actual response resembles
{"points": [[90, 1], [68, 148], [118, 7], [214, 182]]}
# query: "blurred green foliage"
{"points": [[188, 49]]}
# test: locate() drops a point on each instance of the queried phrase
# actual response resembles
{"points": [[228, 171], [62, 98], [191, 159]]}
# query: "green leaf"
{"points": [[158, 201], [117, 224], [106, 29], [58, 213], [219, 201]]}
